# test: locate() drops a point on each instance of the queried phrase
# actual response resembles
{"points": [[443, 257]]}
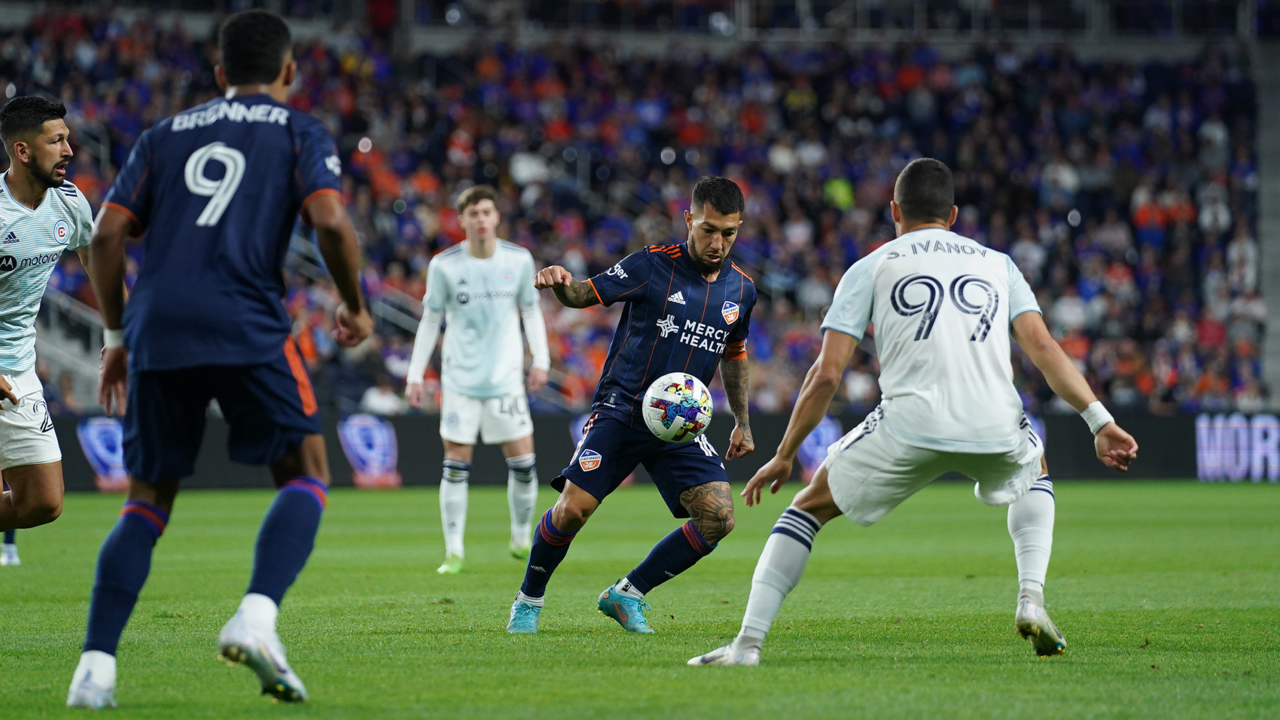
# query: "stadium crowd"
{"points": [[1127, 194]]}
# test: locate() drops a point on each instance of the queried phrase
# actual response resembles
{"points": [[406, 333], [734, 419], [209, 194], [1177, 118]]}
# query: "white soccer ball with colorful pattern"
{"points": [[677, 407]]}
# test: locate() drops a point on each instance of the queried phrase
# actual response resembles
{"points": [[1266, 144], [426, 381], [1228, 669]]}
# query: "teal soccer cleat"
{"points": [[628, 611], [524, 618]]}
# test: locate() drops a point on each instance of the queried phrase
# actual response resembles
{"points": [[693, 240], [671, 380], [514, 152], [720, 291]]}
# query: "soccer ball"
{"points": [[677, 407]]}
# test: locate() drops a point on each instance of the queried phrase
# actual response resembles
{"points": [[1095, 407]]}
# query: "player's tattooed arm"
{"points": [[710, 507], [570, 292], [734, 374]]}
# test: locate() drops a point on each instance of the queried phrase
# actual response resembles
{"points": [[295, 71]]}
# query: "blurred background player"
{"points": [[942, 307], [41, 215], [477, 287], [9, 551], [215, 192], [688, 309]]}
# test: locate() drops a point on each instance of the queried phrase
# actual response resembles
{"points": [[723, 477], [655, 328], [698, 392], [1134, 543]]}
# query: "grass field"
{"points": [[1168, 593]]}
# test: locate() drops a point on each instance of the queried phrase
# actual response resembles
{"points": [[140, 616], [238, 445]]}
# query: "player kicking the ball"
{"points": [[942, 306], [214, 192], [476, 288], [687, 310], [41, 215]]}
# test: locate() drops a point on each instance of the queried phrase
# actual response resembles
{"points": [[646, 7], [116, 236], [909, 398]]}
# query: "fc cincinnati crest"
{"points": [[730, 312], [62, 232], [589, 460]]}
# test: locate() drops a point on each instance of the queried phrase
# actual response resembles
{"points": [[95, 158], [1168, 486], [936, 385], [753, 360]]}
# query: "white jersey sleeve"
{"points": [[437, 292], [84, 224], [1021, 297], [851, 307]]}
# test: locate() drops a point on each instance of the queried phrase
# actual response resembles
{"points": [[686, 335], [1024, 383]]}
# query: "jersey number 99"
{"points": [[931, 305], [221, 191]]}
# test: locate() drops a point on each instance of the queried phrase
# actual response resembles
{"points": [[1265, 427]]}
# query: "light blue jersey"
{"points": [[942, 305], [31, 243]]}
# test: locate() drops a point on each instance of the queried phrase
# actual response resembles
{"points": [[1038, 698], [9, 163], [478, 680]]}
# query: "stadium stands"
{"points": [[1126, 193]]}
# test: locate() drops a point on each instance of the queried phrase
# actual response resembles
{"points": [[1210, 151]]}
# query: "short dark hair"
{"points": [[27, 114], [253, 44], [723, 194], [475, 194], [925, 190]]}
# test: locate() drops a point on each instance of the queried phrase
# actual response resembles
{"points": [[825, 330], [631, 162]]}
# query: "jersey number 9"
{"points": [[221, 191]]}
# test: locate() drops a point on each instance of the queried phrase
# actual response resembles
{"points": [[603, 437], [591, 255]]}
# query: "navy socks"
{"points": [[673, 554], [549, 548], [123, 565], [288, 533]]}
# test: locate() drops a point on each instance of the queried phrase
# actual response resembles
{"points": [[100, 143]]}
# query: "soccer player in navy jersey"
{"points": [[214, 192], [688, 309]]}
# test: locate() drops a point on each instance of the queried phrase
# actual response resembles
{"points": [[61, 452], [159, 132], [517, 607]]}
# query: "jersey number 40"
{"points": [[931, 305], [220, 191]]}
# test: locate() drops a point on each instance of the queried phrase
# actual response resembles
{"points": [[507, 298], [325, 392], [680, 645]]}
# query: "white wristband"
{"points": [[1096, 416], [112, 338]]}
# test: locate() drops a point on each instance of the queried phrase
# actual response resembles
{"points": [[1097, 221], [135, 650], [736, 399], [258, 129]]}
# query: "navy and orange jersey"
{"points": [[216, 191], [674, 321]]}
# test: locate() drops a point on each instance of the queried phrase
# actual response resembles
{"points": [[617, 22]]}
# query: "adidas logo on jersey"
{"points": [[11, 238], [677, 298]]}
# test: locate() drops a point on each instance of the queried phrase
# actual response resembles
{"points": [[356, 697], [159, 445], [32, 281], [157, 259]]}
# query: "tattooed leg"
{"points": [[710, 508]]}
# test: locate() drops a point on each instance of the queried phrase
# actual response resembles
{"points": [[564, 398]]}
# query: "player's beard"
{"points": [[42, 176], [704, 267]]}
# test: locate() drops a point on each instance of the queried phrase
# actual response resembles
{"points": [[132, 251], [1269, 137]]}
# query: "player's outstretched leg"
{"points": [[285, 541], [453, 513], [779, 569], [710, 508], [550, 545], [522, 499], [123, 565], [9, 551], [1031, 527]]}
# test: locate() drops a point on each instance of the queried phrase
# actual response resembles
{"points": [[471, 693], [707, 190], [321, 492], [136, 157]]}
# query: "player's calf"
{"points": [[34, 497]]}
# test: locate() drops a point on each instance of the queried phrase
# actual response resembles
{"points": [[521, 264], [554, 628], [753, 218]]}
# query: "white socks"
{"points": [[779, 569], [1031, 527], [522, 496], [259, 613], [534, 601], [624, 587], [453, 505]]}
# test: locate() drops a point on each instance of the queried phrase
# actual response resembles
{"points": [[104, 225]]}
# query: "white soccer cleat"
{"points": [[9, 555], [1033, 623], [90, 688], [264, 655], [728, 656]]}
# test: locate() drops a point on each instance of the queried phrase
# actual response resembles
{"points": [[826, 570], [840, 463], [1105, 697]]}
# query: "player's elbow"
{"points": [[826, 379]]}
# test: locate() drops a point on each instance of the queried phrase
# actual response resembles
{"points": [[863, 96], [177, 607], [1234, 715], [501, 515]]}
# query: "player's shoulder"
{"points": [[665, 251], [512, 250], [448, 256], [72, 198], [746, 279]]}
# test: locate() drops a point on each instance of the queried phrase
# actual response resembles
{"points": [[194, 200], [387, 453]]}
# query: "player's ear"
{"points": [[688, 219], [290, 71], [895, 211], [220, 76], [951, 219]]}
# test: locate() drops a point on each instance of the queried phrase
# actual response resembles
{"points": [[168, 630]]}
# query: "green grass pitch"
{"points": [[1168, 593]]}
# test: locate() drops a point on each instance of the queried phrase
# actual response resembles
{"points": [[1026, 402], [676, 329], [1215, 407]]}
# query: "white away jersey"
{"points": [[31, 243], [483, 351], [941, 305]]}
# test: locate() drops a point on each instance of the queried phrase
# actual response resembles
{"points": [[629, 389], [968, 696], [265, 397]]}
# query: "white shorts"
{"points": [[870, 472], [496, 420], [26, 431]]}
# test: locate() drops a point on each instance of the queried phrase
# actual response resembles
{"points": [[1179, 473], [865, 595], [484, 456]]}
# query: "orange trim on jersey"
{"points": [[126, 211], [305, 391], [736, 351], [735, 267], [322, 191], [594, 290], [138, 188]]}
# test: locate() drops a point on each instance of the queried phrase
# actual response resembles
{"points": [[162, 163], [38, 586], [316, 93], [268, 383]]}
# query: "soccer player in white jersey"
{"points": [[41, 215], [482, 289], [942, 306]]}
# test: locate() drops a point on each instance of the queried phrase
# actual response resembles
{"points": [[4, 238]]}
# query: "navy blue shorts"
{"points": [[610, 451], [270, 407]]}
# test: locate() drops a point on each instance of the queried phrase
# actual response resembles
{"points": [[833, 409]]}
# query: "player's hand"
{"points": [[1115, 447], [7, 393], [776, 472], [352, 328], [113, 390], [416, 394], [552, 276], [740, 443], [537, 379]]}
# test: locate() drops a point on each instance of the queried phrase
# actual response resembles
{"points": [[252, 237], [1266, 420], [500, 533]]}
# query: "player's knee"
{"points": [[571, 516], [714, 532], [39, 511]]}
